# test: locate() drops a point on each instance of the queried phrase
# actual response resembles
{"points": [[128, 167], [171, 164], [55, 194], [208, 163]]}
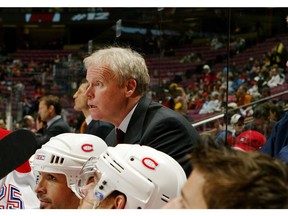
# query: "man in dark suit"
{"points": [[89, 126], [50, 112], [118, 81]]}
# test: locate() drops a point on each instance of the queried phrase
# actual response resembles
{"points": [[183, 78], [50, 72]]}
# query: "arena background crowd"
{"points": [[202, 61]]}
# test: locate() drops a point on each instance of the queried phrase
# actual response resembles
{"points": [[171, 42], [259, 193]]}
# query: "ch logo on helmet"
{"points": [[87, 147], [149, 163], [40, 157]]}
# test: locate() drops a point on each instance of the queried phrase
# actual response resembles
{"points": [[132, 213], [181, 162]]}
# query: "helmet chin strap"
{"points": [[73, 188], [102, 189], [96, 202]]}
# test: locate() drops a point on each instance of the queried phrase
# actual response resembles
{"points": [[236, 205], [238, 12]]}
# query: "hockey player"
{"points": [[17, 187], [59, 162], [130, 176]]}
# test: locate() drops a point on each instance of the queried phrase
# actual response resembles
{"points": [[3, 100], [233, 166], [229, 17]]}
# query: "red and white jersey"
{"points": [[17, 188]]}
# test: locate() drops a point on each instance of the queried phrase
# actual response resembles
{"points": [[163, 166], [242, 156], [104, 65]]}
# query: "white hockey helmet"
{"points": [[149, 178], [66, 153]]}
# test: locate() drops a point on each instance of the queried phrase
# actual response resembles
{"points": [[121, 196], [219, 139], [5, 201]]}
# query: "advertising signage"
{"points": [[53, 18]]}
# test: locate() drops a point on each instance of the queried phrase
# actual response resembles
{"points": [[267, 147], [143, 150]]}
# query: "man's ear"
{"points": [[51, 108], [120, 201], [130, 87]]}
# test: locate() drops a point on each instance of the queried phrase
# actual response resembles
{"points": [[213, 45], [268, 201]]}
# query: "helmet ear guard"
{"points": [[66, 153], [149, 178]]}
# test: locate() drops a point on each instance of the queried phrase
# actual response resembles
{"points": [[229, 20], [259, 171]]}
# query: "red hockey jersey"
{"points": [[17, 188]]}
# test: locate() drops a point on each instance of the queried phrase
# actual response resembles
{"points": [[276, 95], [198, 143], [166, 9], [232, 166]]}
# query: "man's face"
{"points": [[80, 98], [260, 123], [53, 193], [43, 111], [191, 194], [240, 92], [90, 201], [106, 99], [239, 126]]}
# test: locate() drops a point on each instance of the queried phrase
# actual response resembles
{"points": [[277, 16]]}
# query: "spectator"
{"points": [[211, 105], [266, 59], [276, 145], [250, 141], [27, 106], [209, 77], [237, 82], [276, 112], [130, 176], [59, 162], [242, 96], [215, 43], [118, 81], [278, 53], [265, 92], [233, 130], [180, 99], [278, 138], [224, 178], [261, 121], [89, 126], [276, 78], [2, 124]]}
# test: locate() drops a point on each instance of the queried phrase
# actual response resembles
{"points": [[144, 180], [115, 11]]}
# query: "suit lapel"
{"points": [[134, 131], [55, 122], [135, 127]]}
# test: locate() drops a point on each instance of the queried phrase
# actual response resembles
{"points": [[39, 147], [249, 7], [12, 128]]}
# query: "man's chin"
{"points": [[45, 206]]}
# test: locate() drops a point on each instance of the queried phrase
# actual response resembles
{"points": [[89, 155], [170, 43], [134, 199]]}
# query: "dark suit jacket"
{"points": [[99, 128], [157, 126], [57, 127], [278, 138]]}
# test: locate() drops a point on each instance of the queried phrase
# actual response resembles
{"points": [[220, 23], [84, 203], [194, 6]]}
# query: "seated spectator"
{"points": [[233, 130], [224, 178], [254, 90], [278, 138], [209, 77], [265, 91], [242, 96], [191, 57], [266, 59], [180, 99], [237, 82], [196, 102], [2, 124], [261, 121], [239, 44], [278, 53], [276, 112], [207, 106], [211, 105], [249, 141], [276, 78], [276, 145], [215, 43]]}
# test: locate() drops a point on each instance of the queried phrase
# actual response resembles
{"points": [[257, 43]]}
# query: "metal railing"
{"points": [[220, 116]]}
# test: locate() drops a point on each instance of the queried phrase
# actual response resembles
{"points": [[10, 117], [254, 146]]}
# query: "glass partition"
{"points": [[197, 57]]}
